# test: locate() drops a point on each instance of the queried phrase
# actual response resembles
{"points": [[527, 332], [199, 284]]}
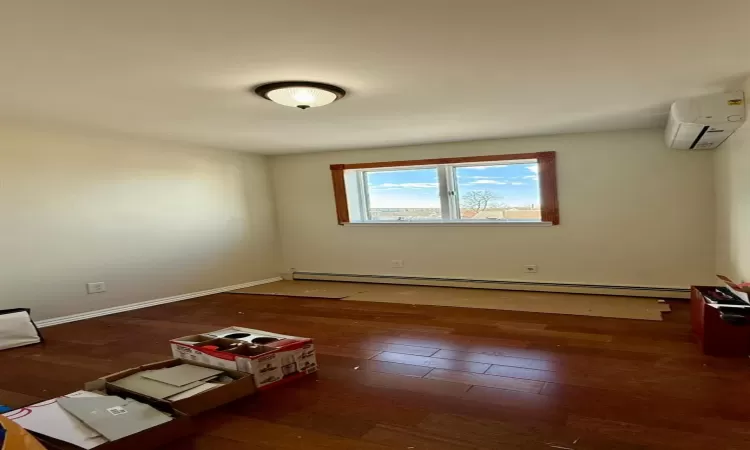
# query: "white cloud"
{"points": [[534, 169], [392, 186], [482, 167], [486, 178], [488, 182], [532, 177], [516, 183]]}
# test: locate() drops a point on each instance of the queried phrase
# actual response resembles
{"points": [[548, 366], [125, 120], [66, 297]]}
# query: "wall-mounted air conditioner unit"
{"points": [[705, 122]]}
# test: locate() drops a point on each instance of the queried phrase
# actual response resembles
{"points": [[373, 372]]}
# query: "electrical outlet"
{"points": [[531, 269], [397, 263], [96, 288]]}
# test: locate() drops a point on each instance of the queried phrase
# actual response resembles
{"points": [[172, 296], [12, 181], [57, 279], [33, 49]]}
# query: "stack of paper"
{"points": [[194, 391], [173, 383]]}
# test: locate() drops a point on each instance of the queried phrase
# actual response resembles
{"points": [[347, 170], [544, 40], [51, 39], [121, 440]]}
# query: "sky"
{"points": [[513, 184]]}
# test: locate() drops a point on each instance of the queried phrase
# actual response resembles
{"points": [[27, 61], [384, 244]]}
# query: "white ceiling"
{"points": [[417, 71]]}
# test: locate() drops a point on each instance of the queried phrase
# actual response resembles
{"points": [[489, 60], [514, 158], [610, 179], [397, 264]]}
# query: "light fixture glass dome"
{"points": [[300, 94]]}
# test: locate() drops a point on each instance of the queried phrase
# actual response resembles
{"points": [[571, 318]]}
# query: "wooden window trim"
{"points": [[339, 193], [547, 178], [548, 187]]}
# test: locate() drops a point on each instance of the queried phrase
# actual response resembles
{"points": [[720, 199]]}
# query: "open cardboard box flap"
{"points": [[153, 438], [742, 287], [150, 439], [741, 290], [243, 385]]}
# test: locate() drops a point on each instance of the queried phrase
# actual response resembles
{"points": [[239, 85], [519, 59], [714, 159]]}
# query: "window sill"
{"points": [[453, 223]]}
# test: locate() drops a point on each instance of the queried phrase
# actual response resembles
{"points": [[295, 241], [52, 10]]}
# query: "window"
{"points": [[484, 189], [405, 194]]}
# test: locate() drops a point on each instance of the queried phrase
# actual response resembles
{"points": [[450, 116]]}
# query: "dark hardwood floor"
{"points": [[419, 377]]}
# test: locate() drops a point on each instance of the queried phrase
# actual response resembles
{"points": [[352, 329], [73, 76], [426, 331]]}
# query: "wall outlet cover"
{"points": [[96, 288], [397, 263]]}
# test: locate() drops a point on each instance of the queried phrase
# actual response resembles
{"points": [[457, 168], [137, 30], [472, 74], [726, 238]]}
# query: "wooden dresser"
{"points": [[716, 336]]}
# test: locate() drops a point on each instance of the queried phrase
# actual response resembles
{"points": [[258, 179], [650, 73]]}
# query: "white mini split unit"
{"points": [[705, 122]]}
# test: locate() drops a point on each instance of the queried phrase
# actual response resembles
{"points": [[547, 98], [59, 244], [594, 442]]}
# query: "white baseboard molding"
{"points": [[147, 303], [511, 285]]}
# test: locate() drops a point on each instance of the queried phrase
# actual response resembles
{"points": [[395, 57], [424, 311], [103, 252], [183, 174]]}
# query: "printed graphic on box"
{"points": [[266, 369], [305, 358], [188, 353]]}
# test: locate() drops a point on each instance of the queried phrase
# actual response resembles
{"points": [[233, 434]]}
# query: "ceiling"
{"points": [[417, 71]]}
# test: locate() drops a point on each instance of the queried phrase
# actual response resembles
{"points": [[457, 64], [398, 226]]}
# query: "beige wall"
{"points": [[150, 219], [733, 203], [632, 212], [154, 220]]}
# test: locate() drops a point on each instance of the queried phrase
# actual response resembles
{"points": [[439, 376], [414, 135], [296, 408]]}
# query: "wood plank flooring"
{"points": [[424, 377]]}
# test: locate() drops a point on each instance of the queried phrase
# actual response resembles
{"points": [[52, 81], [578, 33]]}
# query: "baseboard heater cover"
{"points": [[513, 285]]}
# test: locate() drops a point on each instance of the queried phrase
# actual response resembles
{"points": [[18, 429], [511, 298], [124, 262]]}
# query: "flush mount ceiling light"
{"points": [[300, 94]]}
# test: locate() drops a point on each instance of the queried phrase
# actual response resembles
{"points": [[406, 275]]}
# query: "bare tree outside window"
{"points": [[479, 201]]}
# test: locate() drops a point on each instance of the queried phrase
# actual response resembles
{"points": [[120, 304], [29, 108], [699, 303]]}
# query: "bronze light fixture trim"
{"points": [[300, 94]]}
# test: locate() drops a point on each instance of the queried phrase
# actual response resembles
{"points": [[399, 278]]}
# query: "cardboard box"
{"points": [[242, 386], [153, 438], [271, 358], [181, 410]]}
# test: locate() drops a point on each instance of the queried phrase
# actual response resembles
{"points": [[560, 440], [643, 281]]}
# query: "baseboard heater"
{"points": [[574, 288]]}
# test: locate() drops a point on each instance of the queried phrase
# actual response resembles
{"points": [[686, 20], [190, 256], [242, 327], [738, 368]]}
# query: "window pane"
{"points": [[500, 192], [403, 194]]}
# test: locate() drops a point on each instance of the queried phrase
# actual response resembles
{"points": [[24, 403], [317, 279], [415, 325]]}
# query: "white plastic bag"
{"points": [[17, 329]]}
